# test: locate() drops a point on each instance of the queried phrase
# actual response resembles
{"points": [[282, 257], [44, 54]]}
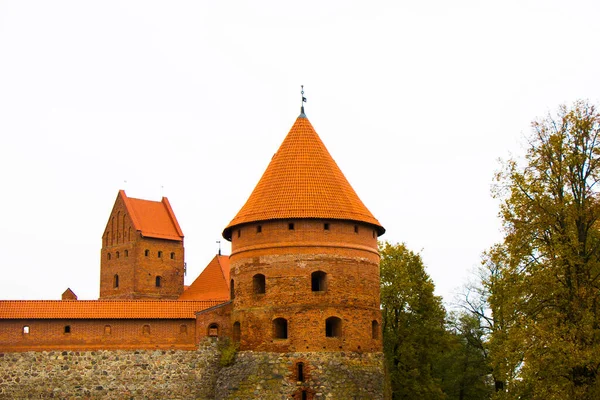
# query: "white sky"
{"points": [[416, 101]]}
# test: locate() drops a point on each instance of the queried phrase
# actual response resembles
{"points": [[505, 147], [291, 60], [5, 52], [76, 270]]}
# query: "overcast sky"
{"points": [[416, 101]]}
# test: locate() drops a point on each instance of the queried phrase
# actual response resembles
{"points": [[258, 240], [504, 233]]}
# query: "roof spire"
{"points": [[302, 115]]}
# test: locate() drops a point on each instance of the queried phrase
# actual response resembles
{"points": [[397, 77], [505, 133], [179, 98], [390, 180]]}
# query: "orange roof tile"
{"points": [[212, 283], [303, 181], [102, 309], [153, 218]]}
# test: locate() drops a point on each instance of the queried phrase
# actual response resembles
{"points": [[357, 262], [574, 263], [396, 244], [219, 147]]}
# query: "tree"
{"points": [[546, 290], [413, 324]]}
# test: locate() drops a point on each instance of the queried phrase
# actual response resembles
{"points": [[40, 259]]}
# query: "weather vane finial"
{"points": [[303, 101]]}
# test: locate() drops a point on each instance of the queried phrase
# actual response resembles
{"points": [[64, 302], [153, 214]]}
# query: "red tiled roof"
{"points": [[153, 218], [212, 283], [102, 309], [303, 181]]}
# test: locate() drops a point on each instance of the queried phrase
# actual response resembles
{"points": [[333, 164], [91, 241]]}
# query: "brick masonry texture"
{"points": [[110, 374]]}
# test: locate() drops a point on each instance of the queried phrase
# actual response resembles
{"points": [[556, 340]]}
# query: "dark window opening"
{"points": [[158, 281], [291, 226], [239, 232], [237, 332], [213, 330], [117, 254], [259, 284], [116, 281], [333, 327], [232, 289], [259, 229], [355, 228], [375, 330], [108, 256], [146, 252], [326, 226], [303, 395], [172, 255], [300, 372], [67, 329], [280, 328], [374, 234], [318, 281], [126, 253], [159, 254]]}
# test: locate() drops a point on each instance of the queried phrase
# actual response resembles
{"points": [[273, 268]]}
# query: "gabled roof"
{"points": [[153, 218], [303, 181], [69, 295], [102, 309], [212, 283]]}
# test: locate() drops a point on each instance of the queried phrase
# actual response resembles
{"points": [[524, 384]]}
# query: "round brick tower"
{"points": [[304, 259]]}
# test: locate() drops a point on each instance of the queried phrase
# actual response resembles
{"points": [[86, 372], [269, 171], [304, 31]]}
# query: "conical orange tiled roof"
{"points": [[303, 181]]}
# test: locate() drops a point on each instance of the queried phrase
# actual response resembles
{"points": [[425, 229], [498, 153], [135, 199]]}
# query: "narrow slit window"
{"points": [[259, 229], [158, 281], [172, 255], [117, 254], [300, 372], [375, 330], [232, 289], [116, 281], [326, 226], [146, 253], [239, 232], [237, 332], [355, 228], [126, 253], [108, 256], [291, 226]]}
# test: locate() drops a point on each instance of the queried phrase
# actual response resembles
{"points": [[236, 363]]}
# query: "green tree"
{"points": [[413, 324], [546, 289]]}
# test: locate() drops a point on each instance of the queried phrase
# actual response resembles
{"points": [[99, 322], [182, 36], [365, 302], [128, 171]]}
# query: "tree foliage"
{"points": [[413, 324], [545, 290]]}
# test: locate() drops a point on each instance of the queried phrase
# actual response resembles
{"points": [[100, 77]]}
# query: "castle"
{"points": [[299, 290]]}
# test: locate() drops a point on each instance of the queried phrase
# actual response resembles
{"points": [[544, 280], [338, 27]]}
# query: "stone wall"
{"points": [[340, 375], [117, 374]]}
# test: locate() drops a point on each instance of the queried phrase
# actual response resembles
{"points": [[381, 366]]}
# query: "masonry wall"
{"points": [[116, 374], [27, 335]]}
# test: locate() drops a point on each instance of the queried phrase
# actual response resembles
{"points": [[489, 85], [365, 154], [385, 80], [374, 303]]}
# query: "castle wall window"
{"points": [[300, 372], [146, 252], [259, 229], [303, 395], [355, 228], [333, 327], [67, 328], [146, 329], [375, 330], [26, 330], [291, 226], [116, 281], [108, 256], [237, 331], [107, 329], [374, 234], [232, 289], [318, 281], [158, 281], [326, 226], [213, 330], [239, 232], [259, 284], [117, 254], [172, 255], [159, 254], [280, 328], [126, 253]]}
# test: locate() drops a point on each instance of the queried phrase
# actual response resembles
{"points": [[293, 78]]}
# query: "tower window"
{"points": [[300, 372], [172, 255], [116, 281], [318, 281], [239, 232], [355, 228], [232, 289], [280, 328], [159, 254], [258, 228], [107, 329], [326, 226], [213, 330], [374, 234], [291, 226], [146, 253], [126, 253], [26, 330], [108, 256], [117, 254], [333, 327], [146, 329], [67, 328], [375, 330], [259, 284], [237, 331], [158, 281]]}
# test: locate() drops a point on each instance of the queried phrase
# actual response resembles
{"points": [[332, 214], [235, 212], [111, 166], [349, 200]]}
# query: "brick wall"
{"points": [[96, 334]]}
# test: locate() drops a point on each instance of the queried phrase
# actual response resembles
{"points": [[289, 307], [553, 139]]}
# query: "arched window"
{"points": [[375, 330], [108, 256], [26, 330], [118, 254], [146, 329], [318, 281], [213, 330], [116, 281], [67, 328], [158, 281], [237, 331], [259, 284], [159, 254], [232, 289], [300, 372], [107, 329], [280, 328], [146, 252], [172, 255], [333, 327]]}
